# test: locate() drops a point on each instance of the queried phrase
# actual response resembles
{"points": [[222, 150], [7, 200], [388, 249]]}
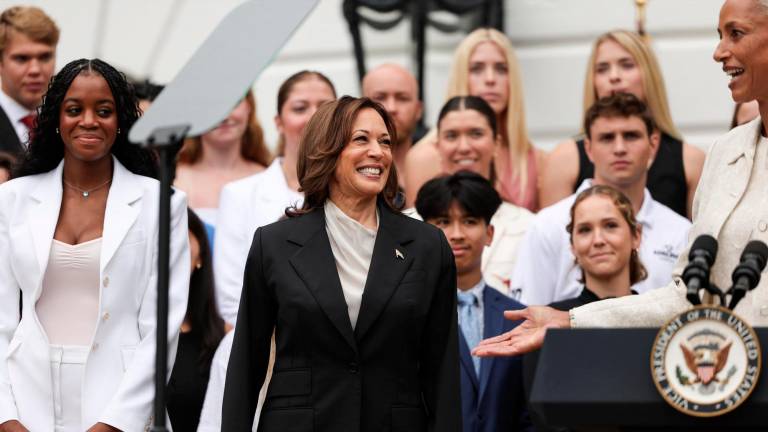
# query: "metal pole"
{"points": [[163, 275]]}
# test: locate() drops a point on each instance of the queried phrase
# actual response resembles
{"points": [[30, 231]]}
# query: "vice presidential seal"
{"points": [[705, 362]]}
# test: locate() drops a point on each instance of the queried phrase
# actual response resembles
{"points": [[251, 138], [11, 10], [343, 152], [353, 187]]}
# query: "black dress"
{"points": [[666, 177], [186, 388]]}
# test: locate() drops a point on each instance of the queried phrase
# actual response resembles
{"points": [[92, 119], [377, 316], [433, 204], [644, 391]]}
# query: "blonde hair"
{"points": [[653, 83], [516, 139], [252, 148], [30, 21]]}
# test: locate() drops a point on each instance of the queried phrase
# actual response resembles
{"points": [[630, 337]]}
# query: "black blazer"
{"points": [[397, 371], [9, 141]]}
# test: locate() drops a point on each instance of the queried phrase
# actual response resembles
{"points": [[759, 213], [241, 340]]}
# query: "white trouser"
{"points": [[67, 367]]}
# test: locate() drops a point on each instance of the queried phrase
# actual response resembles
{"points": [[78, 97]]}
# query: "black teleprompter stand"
{"points": [[166, 142]]}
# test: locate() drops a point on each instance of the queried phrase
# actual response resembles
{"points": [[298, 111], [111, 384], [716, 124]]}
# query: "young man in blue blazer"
{"points": [[492, 395]]}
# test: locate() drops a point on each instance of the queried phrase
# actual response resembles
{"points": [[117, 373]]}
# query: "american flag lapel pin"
{"points": [[399, 255]]}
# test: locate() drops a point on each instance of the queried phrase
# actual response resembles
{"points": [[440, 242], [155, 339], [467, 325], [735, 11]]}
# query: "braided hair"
{"points": [[46, 149]]}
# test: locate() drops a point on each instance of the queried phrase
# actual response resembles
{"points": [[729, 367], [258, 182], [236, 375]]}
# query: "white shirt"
{"points": [[546, 270], [15, 112], [210, 415], [244, 206], [352, 246], [731, 205]]}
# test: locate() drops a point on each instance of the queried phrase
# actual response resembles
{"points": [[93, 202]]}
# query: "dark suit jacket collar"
{"points": [[9, 140], [493, 325], [315, 264]]}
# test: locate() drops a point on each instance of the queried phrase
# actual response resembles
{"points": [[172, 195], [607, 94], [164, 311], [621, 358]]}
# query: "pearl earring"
{"points": [[118, 131], [57, 131]]}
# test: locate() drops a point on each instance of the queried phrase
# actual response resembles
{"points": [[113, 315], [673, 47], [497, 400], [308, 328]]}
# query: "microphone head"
{"points": [[758, 250], [704, 246]]}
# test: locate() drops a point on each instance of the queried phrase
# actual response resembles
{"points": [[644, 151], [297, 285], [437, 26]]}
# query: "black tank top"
{"points": [[666, 178]]}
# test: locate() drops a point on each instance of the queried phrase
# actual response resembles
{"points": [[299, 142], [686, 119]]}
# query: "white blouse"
{"points": [[68, 307], [352, 247]]}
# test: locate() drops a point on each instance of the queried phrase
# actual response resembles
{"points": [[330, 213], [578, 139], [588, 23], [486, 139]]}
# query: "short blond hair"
{"points": [[30, 21], [653, 82], [517, 140]]}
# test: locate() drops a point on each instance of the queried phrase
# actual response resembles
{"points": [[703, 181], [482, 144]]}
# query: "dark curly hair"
{"points": [[46, 149]]}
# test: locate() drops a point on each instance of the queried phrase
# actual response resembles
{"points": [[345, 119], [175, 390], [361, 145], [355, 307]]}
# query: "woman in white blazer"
{"points": [[78, 243], [262, 198], [730, 203]]}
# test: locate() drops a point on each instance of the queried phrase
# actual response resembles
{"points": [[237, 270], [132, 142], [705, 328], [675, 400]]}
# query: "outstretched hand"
{"points": [[12, 426], [527, 336]]}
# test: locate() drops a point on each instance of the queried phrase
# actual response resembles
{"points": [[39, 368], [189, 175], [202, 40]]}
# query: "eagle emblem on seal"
{"points": [[706, 355]]}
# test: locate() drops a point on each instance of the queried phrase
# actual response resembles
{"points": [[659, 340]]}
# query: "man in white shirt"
{"points": [[621, 141], [28, 39]]}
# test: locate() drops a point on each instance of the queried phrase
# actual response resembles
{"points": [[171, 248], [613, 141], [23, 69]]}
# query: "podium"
{"points": [[600, 380]]}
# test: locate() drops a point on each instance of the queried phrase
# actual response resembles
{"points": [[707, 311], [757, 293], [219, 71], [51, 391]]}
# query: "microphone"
{"points": [[746, 275], [700, 258]]}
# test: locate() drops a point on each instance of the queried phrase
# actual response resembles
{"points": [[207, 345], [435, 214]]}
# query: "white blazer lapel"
{"points": [[43, 217], [120, 214], [734, 179]]}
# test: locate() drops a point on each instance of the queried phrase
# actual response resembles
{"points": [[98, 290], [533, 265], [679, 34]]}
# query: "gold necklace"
{"points": [[86, 193]]}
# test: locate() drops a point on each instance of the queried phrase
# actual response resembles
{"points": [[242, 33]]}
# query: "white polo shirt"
{"points": [[546, 270]]}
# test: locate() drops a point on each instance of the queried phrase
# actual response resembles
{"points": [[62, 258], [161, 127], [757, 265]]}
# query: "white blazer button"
{"points": [[764, 310], [106, 316], [762, 225], [106, 281], [95, 346]]}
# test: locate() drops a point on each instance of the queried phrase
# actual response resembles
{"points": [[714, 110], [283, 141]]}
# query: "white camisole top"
{"points": [[68, 307]]}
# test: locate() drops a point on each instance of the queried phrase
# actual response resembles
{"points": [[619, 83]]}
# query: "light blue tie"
{"points": [[469, 319]]}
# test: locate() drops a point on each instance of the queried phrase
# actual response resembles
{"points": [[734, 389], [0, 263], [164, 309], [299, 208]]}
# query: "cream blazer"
{"points": [[510, 223], [723, 183], [118, 382]]}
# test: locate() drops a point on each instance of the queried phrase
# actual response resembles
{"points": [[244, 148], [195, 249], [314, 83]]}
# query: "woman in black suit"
{"points": [[362, 298]]}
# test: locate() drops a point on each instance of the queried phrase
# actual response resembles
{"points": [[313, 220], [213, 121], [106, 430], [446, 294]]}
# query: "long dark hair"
{"points": [[325, 136], [202, 315], [46, 148]]}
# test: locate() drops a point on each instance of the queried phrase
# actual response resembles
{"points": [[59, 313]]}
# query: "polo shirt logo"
{"points": [[667, 252]]}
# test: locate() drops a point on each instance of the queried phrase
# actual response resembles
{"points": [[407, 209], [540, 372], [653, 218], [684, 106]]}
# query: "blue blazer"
{"points": [[494, 401]]}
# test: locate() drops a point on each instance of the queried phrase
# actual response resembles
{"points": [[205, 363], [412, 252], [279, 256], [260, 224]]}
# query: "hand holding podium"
{"points": [[526, 337]]}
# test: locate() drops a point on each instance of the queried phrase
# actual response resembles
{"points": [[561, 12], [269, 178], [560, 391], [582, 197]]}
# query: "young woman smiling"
{"points": [[78, 242], [467, 139], [485, 66]]}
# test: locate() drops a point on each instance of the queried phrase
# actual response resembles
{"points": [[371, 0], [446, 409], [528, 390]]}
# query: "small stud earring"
{"points": [[57, 131], [199, 265], [118, 131]]}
